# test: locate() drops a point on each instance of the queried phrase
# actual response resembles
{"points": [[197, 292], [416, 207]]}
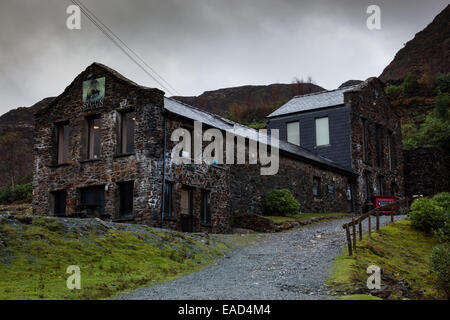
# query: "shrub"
{"points": [[393, 92], [442, 82], [20, 192], [426, 215], [410, 85], [440, 267], [280, 202], [443, 200]]}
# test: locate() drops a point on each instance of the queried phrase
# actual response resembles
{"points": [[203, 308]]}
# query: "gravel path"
{"points": [[286, 266]]}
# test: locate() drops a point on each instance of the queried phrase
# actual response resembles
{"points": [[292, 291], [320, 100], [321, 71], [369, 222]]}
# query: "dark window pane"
{"points": [[205, 210], [63, 143], [59, 202], [126, 198], [93, 200], [94, 136], [127, 132], [316, 186]]}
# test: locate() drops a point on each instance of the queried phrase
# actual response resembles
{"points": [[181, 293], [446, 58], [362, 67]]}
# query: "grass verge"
{"points": [[400, 251], [36, 251]]}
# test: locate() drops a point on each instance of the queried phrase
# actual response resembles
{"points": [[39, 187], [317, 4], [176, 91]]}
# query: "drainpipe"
{"points": [[164, 173]]}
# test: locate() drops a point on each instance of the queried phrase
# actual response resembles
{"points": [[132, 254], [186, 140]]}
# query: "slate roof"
{"points": [[184, 110], [317, 100]]}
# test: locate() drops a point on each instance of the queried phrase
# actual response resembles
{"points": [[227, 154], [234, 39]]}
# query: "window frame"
{"points": [[124, 138], [298, 132], [62, 142], [316, 190], [90, 146], [315, 131]]}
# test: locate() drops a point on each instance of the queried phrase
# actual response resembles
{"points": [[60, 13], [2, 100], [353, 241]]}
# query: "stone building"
{"points": [[357, 128], [103, 149]]}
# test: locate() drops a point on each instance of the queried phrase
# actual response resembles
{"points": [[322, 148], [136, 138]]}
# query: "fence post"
{"points": [[354, 234], [370, 226], [349, 240], [378, 220]]}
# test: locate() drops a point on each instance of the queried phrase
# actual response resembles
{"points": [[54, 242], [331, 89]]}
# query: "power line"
{"points": [[123, 43], [97, 22]]}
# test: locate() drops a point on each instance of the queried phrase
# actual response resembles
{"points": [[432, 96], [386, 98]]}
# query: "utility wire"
{"points": [[130, 49], [109, 34]]}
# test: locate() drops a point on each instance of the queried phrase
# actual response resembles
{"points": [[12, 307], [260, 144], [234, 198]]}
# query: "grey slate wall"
{"points": [[339, 126]]}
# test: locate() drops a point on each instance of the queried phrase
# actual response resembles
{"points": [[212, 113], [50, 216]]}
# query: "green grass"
{"points": [[302, 217], [399, 250], [34, 258]]}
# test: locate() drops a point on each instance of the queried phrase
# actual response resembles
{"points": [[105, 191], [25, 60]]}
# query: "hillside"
{"points": [[16, 139], [248, 104], [35, 253], [427, 52]]}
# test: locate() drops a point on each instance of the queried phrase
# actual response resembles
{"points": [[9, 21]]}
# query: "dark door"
{"points": [[186, 210]]}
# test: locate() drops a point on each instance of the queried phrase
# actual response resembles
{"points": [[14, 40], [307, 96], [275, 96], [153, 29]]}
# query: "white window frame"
{"points": [[327, 141], [297, 136]]}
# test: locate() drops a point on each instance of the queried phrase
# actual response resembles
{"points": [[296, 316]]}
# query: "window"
{"points": [[186, 201], [316, 186], [293, 132], [94, 131], [365, 133], [205, 210], [168, 199], [188, 143], [379, 139], [322, 132], [59, 202], [126, 190], [127, 132], [93, 200], [63, 142]]}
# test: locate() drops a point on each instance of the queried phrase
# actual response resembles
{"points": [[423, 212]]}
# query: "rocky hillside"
{"points": [[248, 104], [427, 52], [16, 139]]}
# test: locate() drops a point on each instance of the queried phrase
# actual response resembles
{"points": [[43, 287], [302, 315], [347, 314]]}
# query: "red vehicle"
{"points": [[380, 201]]}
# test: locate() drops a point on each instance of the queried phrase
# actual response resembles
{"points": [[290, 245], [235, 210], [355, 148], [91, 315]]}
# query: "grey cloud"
{"points": [[200, 45]]}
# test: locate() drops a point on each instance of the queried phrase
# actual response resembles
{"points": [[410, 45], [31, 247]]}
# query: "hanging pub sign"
{"points": [[93, 94]]}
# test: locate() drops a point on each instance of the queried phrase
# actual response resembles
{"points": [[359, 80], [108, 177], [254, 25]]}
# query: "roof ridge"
{"points": [[324, 91]]}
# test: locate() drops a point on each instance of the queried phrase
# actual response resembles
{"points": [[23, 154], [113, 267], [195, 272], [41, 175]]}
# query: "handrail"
{"points": [[396, 205]]}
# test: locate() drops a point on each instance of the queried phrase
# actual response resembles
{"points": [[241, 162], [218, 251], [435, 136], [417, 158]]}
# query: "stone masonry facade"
{"points": [[222, 192], [382, 163]]}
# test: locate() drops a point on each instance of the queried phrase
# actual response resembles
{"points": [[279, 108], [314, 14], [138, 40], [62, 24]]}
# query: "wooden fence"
{"points": [[397, 207]]}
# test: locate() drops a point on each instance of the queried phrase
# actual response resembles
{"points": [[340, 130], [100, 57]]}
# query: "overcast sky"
{"points": [[200, 45]]}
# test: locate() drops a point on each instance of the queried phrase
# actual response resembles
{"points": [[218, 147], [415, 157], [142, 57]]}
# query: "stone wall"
{"points": [[426, 171], [250, 189], [144, 166], [370, 102]]}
